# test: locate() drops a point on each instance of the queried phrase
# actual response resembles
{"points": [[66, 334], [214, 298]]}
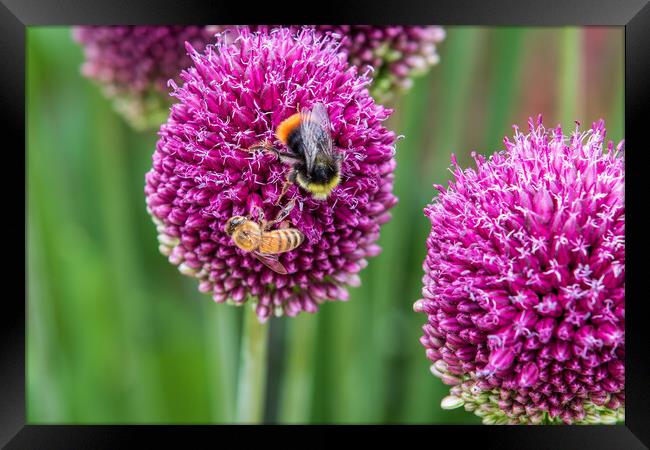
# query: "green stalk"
{"points": [[390, 299], [616, 122], [505, 83], [298, 377], [419, 392], [109, 144], [252, 369], [44, 403], [570, 76], [43, 393], [221, 333]]}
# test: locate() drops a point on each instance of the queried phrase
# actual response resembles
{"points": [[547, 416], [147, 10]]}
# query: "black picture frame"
{"points": [[634, 15]]}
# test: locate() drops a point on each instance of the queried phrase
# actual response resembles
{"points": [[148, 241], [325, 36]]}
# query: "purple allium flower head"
{"points": [[134, 63], [524, 281], [233, 97]]}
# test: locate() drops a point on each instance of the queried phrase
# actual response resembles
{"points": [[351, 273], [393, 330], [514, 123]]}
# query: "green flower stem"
{"points": [[252, 369], [571, 98], [297, 382], [222, 333]]}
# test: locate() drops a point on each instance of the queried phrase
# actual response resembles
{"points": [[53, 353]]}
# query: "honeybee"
{"points": [[265, 245], [316, 167]]}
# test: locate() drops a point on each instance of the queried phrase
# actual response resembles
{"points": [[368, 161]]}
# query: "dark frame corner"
{"points": [[634, 15]]}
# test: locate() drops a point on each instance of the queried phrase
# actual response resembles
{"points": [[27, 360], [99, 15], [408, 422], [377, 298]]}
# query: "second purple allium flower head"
{"points": [[233, 97], [397, 54], [524, 281]]}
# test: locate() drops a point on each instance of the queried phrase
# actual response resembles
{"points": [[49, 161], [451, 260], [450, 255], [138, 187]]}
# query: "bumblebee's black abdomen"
{"points": [[322, 174], [296, 143]]}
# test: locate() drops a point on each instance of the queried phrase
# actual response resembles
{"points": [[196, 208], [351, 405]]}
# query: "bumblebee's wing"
{"points": [[271, 261], [316, 133]]}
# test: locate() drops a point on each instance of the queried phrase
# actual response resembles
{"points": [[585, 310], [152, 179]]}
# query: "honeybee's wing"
{"points": [[271, 261], [316, 133]]}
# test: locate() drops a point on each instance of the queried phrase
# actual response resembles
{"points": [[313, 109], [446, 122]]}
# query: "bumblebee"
{"points": [[265, 245], [316, 167]]}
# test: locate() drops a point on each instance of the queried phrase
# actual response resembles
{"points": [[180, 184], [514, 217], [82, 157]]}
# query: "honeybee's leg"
{"points": [[261, 220], [259, 212]]}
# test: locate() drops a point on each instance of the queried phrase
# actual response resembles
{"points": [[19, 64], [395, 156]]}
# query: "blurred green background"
{"points": [[117, 335]]}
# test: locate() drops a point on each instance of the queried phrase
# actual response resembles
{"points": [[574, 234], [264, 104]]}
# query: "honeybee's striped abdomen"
{"points": [[280, 241]]}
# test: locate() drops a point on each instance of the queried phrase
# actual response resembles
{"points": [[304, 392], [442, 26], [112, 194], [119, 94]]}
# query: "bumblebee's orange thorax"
{"points": [[286, 127]]}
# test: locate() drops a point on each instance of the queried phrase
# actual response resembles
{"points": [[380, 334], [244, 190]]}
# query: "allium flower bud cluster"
{"points": [[395, 53], [234, 96], [524, 281], [133, 64]]}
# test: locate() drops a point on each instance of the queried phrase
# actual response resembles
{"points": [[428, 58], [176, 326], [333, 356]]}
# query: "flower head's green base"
{"points": [[386, 84], [142, 111], [502, 407]]}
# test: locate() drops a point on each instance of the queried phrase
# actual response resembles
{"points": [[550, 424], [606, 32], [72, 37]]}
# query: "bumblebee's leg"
{"points": [[285, 157], [285, 187], [291, 179], [264, 145]]}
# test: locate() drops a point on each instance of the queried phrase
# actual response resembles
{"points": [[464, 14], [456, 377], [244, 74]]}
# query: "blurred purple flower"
{"points": [[132, 64], [524, 281], [396, 54], [233, 97]]}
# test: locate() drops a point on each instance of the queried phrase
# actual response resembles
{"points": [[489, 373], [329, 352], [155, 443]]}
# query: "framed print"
{"points": [[410, 216]]}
